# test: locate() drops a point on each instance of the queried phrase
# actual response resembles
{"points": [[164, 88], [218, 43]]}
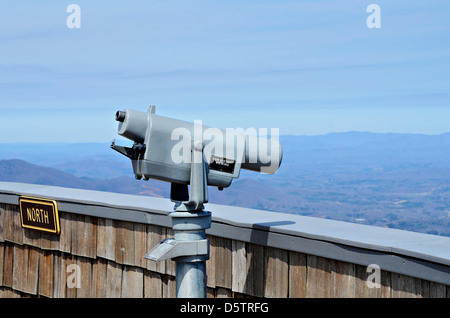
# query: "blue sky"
{"points": [[305, 67]]}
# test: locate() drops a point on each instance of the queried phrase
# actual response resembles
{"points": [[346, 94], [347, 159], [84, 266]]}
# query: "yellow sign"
{"points": [[39, 214]]}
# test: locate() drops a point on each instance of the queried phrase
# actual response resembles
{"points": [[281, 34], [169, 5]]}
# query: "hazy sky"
{"points": [[305, 67]]}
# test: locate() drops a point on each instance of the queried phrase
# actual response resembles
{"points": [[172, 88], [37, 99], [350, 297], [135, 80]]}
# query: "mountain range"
{"points": [[393, 180]]}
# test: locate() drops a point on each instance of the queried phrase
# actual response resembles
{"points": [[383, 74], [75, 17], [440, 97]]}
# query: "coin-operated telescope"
{"points": [[191, 154], [173, 150]]}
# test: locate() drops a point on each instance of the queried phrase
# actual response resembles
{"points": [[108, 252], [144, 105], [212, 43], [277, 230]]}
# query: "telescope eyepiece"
{"points": [[120, 116]]}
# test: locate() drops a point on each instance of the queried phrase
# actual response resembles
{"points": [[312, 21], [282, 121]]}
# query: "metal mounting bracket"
{"points": [[171, 248]]}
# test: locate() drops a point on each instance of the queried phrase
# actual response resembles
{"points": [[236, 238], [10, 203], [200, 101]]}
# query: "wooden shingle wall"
{"points": [[98, 257]]}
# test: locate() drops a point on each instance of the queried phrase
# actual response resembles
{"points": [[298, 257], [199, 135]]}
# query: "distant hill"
{"points": [[15, 170], [93, 160], [392, 180]]}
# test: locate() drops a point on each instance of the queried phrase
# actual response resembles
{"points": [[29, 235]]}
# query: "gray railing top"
{"points": [[415, 254]]}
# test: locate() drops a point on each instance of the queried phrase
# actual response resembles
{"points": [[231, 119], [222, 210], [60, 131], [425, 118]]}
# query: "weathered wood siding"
{"points": [[97, 257]]}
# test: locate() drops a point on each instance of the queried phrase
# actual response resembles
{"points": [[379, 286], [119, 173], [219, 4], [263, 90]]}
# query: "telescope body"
{"points": [[163, 147]]}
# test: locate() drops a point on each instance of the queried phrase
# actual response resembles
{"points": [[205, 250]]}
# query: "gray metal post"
{"points": [[190, 247], [191, 270], [191, 279]]}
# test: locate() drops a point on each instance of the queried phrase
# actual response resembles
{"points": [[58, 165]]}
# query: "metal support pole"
{"points": [[191, 270], [191, 279], [190, 247]]}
